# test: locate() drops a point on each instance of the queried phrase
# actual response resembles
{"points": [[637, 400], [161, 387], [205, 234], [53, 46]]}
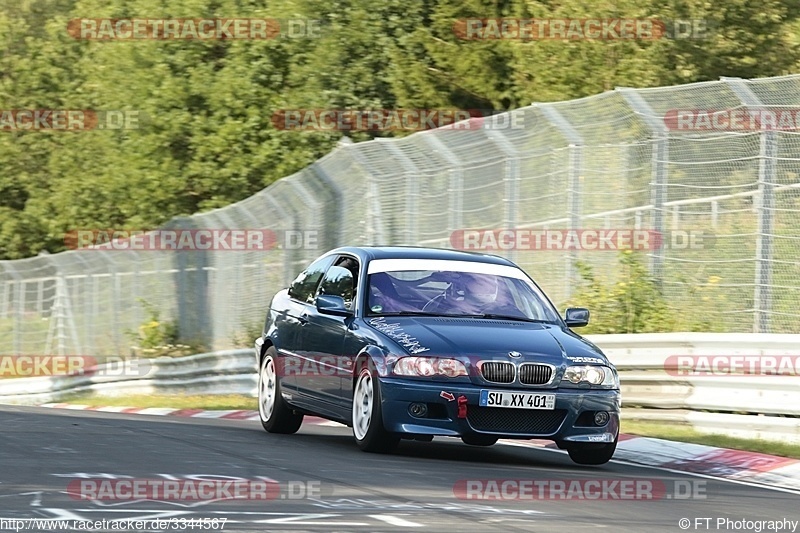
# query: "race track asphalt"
{"points": [[45, 453]]}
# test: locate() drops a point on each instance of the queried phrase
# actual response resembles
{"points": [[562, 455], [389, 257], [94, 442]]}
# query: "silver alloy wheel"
{"points": [[266, 389], [362, 406]]}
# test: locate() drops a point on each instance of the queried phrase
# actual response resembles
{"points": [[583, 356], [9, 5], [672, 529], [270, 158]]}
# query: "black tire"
{"points": [[592, 454], [370, 436], [281, 419], [479, 440]]}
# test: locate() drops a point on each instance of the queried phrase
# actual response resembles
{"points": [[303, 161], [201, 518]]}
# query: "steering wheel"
{"points": [[434, 302]]}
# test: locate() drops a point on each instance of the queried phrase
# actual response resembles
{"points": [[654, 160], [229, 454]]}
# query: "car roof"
{"points": [[368, 253]]}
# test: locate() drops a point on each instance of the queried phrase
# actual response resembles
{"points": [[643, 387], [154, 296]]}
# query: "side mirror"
{"points": [[576, 317], [329, 304]]}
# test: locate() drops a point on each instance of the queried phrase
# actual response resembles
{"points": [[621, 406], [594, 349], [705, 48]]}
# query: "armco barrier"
{"points": [[746, 406], [224, 372]]}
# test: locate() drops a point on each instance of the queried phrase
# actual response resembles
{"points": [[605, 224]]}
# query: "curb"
{"points": [[737, 465], [184, 413], [771, 471]]}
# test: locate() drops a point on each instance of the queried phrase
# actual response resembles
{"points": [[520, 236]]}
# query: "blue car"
{"points": [[412, 343]]}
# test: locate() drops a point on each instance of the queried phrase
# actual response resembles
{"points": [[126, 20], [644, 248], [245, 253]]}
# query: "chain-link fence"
{"points": [[616, 160]]}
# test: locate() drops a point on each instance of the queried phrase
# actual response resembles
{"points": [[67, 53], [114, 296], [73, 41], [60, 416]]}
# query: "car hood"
{"points": [[486, 339]]}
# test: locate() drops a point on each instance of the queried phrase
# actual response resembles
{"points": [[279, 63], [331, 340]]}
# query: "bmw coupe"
{"points": [[413, 343]]}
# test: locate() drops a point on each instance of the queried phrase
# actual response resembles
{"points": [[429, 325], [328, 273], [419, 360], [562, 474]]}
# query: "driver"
{"points": [[489, 294]]}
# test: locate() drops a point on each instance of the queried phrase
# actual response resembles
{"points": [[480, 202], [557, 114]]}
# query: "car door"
{"points": [[291, 329], [323, 364]]}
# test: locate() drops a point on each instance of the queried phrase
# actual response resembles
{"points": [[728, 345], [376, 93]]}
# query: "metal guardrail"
{"points": [[648, 383], [738, 405], [747, 406], [224, 372]]}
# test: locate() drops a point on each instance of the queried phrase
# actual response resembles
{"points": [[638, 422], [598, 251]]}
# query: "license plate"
{"points": [[517, 400]]}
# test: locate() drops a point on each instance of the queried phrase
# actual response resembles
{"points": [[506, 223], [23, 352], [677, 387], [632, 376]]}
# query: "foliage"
{"points": [[157, 337], [630, 304], [248, 334], [206, 139]]}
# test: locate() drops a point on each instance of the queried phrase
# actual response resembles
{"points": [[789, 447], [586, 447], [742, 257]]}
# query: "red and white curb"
{"points": [[185, 413], [735, 465]]}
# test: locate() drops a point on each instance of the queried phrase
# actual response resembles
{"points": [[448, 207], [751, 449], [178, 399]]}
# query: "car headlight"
{"points": [[593, 375], [429, 366]]}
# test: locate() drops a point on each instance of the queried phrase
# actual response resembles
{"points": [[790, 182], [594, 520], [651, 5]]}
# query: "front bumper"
{"points": [[559, 425]]}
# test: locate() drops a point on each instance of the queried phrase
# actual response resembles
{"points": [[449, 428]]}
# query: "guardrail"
{"points": [[224, 372], [738, 405], [741, 405]]}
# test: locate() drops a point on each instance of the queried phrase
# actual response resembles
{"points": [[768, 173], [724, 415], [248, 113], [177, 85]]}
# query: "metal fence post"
{"points": [[767, 170], [192, 288], [61, 314], [511, 179], [375, 234], [659, 172], [18, 309], [114, 286], [333, 233], [86, 344], [455, 212], [575, 174], [411, 174], [283, 214], [313, 208], [374, 222], [229, 280]]}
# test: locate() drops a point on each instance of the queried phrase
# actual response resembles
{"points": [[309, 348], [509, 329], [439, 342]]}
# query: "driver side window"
{"points": [[341, 280], [304, 287]]}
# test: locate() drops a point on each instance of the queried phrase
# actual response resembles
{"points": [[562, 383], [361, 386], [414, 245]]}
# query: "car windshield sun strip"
{"points": [[479, 315]]}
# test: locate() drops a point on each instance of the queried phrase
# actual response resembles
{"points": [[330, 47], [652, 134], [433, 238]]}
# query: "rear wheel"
{"points": [[592, 454], [479, 440], [276, 416], [368, 429]]}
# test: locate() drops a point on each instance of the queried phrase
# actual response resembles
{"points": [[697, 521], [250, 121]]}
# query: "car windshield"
{"points": [[456, 293]]}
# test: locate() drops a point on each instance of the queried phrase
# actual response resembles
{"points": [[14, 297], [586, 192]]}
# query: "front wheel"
{"points": [[592, 454], [368, 429], [276, 416]]}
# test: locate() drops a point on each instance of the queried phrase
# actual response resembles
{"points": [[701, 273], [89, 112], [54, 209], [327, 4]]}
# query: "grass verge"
{"points": [[178, 401], [687, 434]]}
